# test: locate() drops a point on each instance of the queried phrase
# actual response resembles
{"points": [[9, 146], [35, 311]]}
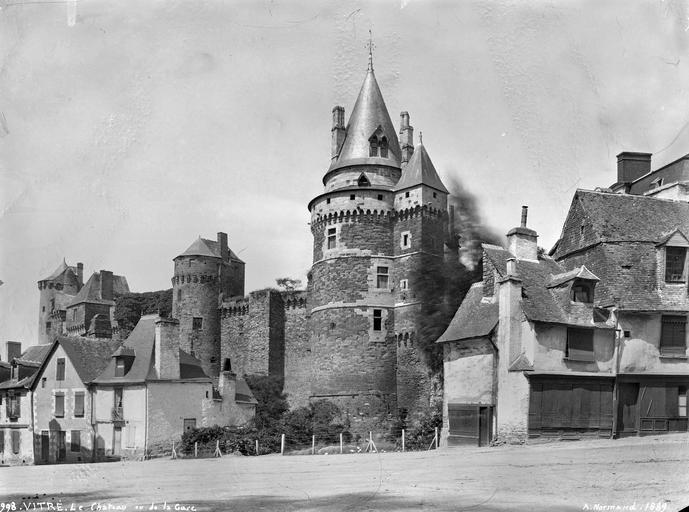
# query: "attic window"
{"points": [[384, 147], [675, 263], [363, 181], [373, 146], [582, 292], [119, 367]]}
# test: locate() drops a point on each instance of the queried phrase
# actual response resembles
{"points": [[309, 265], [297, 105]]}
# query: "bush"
{"points": [[232, 439]]}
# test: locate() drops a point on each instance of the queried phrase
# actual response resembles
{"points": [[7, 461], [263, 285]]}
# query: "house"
{"points": [[16, 413], [528, 354], [62, 404], [151, 392], [639, 246], [634, 176]]}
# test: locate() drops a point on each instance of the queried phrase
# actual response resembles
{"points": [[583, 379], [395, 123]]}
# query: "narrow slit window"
{"points": [[332, 238], [377, 319]]}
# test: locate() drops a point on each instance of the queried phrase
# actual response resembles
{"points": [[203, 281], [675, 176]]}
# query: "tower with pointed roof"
{"points": [[378, 228], [56, 292], [205, 273]]}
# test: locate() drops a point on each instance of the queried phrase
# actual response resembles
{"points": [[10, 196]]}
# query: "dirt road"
{"points": [[642, 474]]}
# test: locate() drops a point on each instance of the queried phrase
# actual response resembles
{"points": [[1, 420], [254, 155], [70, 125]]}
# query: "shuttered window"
{"points": [[60, 369], [75, 441], [13, 407], [59, 405], [78, 404], [16, 441], [2, 442], [579, 345], [673, 335]]}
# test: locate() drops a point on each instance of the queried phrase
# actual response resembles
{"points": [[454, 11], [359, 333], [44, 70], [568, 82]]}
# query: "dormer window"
{"points": [[378, 144], [363, 181], [675, 264], [119, 367], [582, 292]]}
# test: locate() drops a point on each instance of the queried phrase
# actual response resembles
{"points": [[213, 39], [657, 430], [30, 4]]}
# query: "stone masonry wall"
{"points": [[298, 355]]}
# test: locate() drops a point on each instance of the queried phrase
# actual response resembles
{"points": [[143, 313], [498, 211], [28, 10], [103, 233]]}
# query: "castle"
{"points": [[352, 337]]}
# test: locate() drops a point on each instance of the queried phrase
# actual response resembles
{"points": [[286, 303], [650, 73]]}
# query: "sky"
{"points": [[130, 128]]}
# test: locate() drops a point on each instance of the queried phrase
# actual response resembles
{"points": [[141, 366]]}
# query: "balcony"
{"points": [[117, 415]]}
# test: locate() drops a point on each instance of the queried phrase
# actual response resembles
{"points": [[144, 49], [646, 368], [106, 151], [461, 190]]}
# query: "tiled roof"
{"points": [[34, 355], [420, 170], [91, 291], [474, 318], [577, 273], [141, 341], [205, 247], [369, 114], [88, 356], [243, 392]]}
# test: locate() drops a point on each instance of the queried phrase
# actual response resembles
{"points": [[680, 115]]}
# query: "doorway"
{"points": [[117, 441], [485, 425]]}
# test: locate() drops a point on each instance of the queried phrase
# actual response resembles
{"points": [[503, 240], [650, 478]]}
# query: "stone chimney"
{"points": [[100, 327], [227, 385], [80, 274], [106, 285], [14, 349], [510, 312], [631, 166], [167, 348], [406, 137], [338, 131], [522, 241], [224, 248]]}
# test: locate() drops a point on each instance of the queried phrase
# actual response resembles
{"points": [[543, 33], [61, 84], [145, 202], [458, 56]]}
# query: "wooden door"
{"points": [[61, 445], [117, 441], [627, 409], [45, 445], [485, 425]]}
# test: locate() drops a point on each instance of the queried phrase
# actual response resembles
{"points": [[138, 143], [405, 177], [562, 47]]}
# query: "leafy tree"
{"points": [[288, 284], [272, 402], [130, 307]]}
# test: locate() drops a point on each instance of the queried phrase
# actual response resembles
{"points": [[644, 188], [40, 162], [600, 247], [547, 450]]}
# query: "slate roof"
{"points": [[62, 267], [474, 318], [205, 247], [91, 291], [577, 273], [616, 236], [243, 392], [88, 356], [420, 170], [141, 341], [369, 113], [32, 357]]}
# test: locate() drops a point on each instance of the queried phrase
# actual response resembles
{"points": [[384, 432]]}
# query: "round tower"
{"points": [[205, 273], [350, 289]]}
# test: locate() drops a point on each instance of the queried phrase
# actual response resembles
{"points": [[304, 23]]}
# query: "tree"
{"points": [[288, 284]]}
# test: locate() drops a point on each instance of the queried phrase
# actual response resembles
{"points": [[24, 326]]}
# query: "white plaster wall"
{"points": [[641, 351], [134, 411], [550, 345]]}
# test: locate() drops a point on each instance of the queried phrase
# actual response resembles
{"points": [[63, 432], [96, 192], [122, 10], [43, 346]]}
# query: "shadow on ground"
{"points": [[351, 502]]}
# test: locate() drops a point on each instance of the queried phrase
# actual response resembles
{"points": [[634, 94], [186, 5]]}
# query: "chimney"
{"points": [[166, 350], [406, 137], [100, 327], [14, 349], [338, 131], [227, 385], [80, 274], [510, 313], [106, 285], [631, 166], [522, 241], [224, 249]]}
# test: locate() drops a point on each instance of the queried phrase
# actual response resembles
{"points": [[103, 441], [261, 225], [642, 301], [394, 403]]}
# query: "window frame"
{"points": [[61, 396], [197, 323], [377, 319], [578, 335], [120, 366], [682, 260], [79, 395], [671, 346], [382, 277], [75, 446], [60, 369], [331, 238], [582, 286]]}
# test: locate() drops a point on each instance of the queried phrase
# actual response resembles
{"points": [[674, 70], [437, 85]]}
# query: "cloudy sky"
{"points": [[130, 127]]}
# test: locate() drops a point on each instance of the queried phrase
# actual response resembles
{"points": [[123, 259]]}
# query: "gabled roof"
{"points": [[474, 318], [88, 356], [674, 234], [369, 114], [205, 247], [91, 291], [420, 171], [141, 341], [577, 273], [34, 355]]}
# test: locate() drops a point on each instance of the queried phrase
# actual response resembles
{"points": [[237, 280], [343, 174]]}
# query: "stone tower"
{"points": [[381, 218], [56, 292], [205, 273]]}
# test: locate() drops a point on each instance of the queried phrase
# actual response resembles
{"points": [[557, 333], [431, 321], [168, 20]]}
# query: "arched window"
{"points": [[373, 146]]}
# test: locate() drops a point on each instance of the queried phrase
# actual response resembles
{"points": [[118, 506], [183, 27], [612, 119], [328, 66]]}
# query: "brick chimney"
{"points": [[631, 166], [522, 241], [166, 349], [338, 131], [406, 137], [106, 285], [224, 248], [80, 274], [14, 349]]}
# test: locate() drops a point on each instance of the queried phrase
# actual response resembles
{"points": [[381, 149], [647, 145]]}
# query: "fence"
{"points": [[321, 443]]}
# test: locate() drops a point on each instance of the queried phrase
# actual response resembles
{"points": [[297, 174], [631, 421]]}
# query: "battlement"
{"points": [[352, 216], [294, 299], [194, 278], [420, 211]]}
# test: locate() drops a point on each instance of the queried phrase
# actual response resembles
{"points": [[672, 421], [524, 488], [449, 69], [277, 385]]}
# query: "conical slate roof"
{"points": [[58, 271], [205, 247], [420, 171], [369, 114]]}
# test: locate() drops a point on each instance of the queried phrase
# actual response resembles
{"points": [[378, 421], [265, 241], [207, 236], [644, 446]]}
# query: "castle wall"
{"points": [[298, 355]]}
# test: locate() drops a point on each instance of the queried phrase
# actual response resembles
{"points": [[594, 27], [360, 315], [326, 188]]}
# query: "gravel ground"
{"points": [[640, 473]]}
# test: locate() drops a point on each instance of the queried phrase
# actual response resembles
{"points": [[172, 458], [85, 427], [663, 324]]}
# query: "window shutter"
{"points": [[60, 369], [2, 442], [16, 441], [78, 404], [580, 344], [59, 405]]}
